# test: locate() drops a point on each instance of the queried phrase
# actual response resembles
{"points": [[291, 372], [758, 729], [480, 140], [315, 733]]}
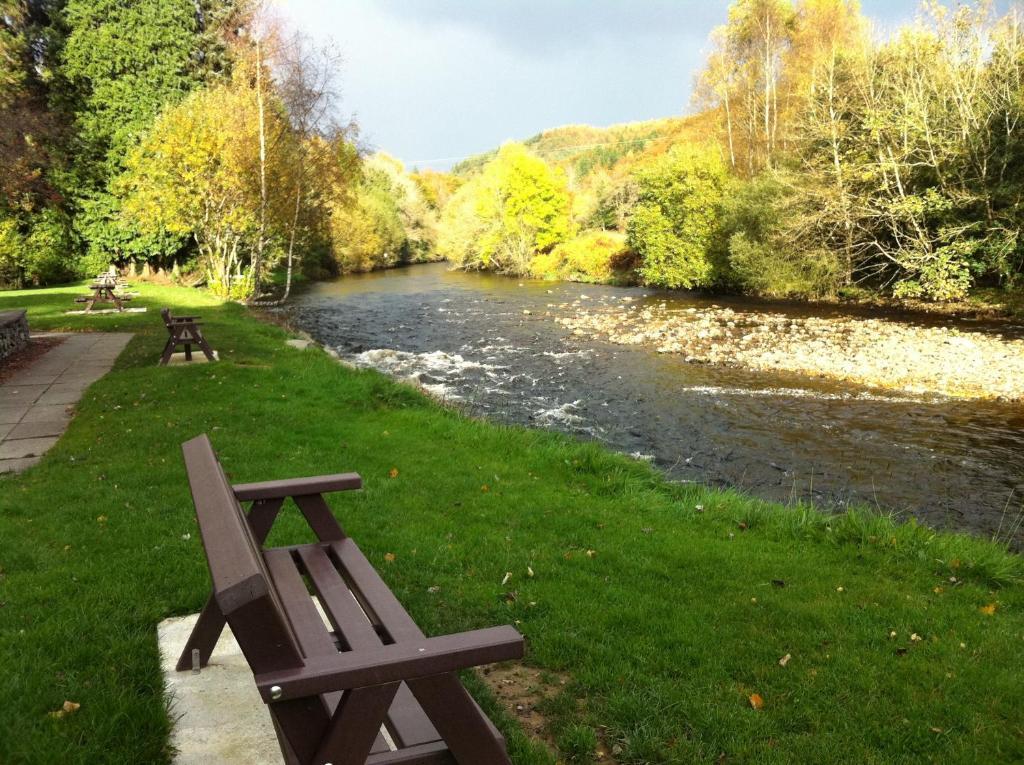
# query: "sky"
{"points": [[434, 81]]}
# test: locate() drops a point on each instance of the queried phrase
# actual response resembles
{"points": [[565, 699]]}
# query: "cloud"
{"points": [[549, 25]]}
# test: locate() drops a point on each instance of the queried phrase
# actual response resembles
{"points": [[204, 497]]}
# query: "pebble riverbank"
{"points": [[874, 352]]}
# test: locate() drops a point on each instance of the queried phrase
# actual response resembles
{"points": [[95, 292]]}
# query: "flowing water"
{"points": [[492, 344]]}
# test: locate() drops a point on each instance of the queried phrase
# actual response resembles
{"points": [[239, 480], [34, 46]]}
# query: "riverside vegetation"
{"points": [[688, 623], [823, 159]]}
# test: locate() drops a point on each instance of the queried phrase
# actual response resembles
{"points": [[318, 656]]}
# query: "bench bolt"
{"points": [[275, 692]]}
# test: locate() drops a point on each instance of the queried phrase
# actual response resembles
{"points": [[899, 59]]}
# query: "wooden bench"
{"points": [[184, 331], [330, 689]]}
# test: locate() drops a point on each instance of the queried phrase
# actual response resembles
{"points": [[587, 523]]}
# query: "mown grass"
{"points": [[666, 606]]}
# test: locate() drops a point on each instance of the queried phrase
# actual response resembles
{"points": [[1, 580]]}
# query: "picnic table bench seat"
{"points": [[330, 688]]}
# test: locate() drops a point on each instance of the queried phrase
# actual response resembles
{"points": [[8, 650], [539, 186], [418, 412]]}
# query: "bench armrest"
{"points": [[392, 663], [297, 487]]}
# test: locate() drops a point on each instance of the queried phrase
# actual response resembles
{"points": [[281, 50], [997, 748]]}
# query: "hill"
{"points": [[582, 148]]}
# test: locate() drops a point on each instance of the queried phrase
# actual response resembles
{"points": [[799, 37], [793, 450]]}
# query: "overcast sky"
{"points": [[431, 81]]}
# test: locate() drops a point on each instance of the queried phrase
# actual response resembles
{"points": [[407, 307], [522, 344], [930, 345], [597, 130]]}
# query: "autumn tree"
{"points": [[198, 174], [514, 209]]}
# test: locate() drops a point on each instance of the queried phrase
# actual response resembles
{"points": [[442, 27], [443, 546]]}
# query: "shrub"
{"points": [[766, 253], [675, 228], [50, 250], [594, 257]]}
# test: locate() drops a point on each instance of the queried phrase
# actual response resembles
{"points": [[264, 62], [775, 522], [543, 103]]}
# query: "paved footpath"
{"points": [[38, 402]]}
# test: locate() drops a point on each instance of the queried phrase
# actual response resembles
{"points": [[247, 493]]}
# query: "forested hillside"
{"points": [[823, 157]]}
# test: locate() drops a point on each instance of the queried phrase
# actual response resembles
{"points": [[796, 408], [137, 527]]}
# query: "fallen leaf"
{"points": [[937, 590], [101, 519], [840, 589], [989, 610], [508, 575], [529, 571], [591, 553], [742, 526], [393, 473], [955, 563], [389, 557], [756, 701], [485, 488], [433, 589], [784, 660], [68, 708], [914, 637]]}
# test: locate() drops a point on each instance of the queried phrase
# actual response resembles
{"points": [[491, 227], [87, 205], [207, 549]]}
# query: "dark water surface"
{"points": [[493, 345]]}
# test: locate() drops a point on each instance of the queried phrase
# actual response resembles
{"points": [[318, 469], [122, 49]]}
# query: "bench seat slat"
{"points": [[312, 634], [342, 609], [374, 594], [406, 720], [435, 753]]}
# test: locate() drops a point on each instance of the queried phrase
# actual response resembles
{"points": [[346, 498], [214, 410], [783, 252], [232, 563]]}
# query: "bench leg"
{"points": [[205, 346], [355, 725], [188, 352], [211, 621], [452, 711], [165, 357]]}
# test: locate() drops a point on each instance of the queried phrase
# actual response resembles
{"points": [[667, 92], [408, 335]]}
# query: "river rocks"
{"points": [[875, 352]]}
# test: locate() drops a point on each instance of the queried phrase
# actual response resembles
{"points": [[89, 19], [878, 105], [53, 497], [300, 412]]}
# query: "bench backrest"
{"points": [[242, 586]]}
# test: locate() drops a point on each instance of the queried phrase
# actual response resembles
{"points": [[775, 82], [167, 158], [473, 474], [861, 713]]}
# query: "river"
{"points": [[493, 346]]}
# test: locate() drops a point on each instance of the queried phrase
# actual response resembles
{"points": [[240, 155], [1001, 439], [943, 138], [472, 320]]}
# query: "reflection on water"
{"points": [[493, 345]]}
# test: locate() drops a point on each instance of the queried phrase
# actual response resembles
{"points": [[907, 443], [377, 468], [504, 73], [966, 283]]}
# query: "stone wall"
{"points": [[13, 333]]}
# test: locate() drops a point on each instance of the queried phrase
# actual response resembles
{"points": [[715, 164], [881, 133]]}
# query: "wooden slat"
{"points": [[375, 597], [393, 663], [406, 721], [309, 627], [296, 487], [342, 609], [452, 710], [435, 753]]}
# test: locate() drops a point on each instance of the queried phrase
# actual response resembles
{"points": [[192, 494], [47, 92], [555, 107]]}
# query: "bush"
{"points": [[12, 248], [596, 257], [675, 228], [774, 270], [766, 253]]}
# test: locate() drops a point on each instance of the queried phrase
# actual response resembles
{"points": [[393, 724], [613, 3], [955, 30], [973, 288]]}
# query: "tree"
{"points": [[744, 75], [198, 174], [122, 63], [517, 207], [675, 227]]}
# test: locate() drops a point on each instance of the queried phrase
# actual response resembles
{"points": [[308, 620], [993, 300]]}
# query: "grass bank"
{"points": [[665, 608]]}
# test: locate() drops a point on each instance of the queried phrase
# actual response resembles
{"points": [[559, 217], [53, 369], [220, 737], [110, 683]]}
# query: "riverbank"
{"points": [[665, 608], [875, 352]]}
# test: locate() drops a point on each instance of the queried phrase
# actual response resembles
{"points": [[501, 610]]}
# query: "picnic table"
{"points": [[104, 290]]}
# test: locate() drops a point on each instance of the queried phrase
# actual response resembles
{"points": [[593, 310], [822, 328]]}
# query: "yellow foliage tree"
{"points": [[198, 173]]}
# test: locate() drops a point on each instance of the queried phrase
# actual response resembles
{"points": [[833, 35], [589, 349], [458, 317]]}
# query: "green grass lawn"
{"points": [[665, 606]]}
